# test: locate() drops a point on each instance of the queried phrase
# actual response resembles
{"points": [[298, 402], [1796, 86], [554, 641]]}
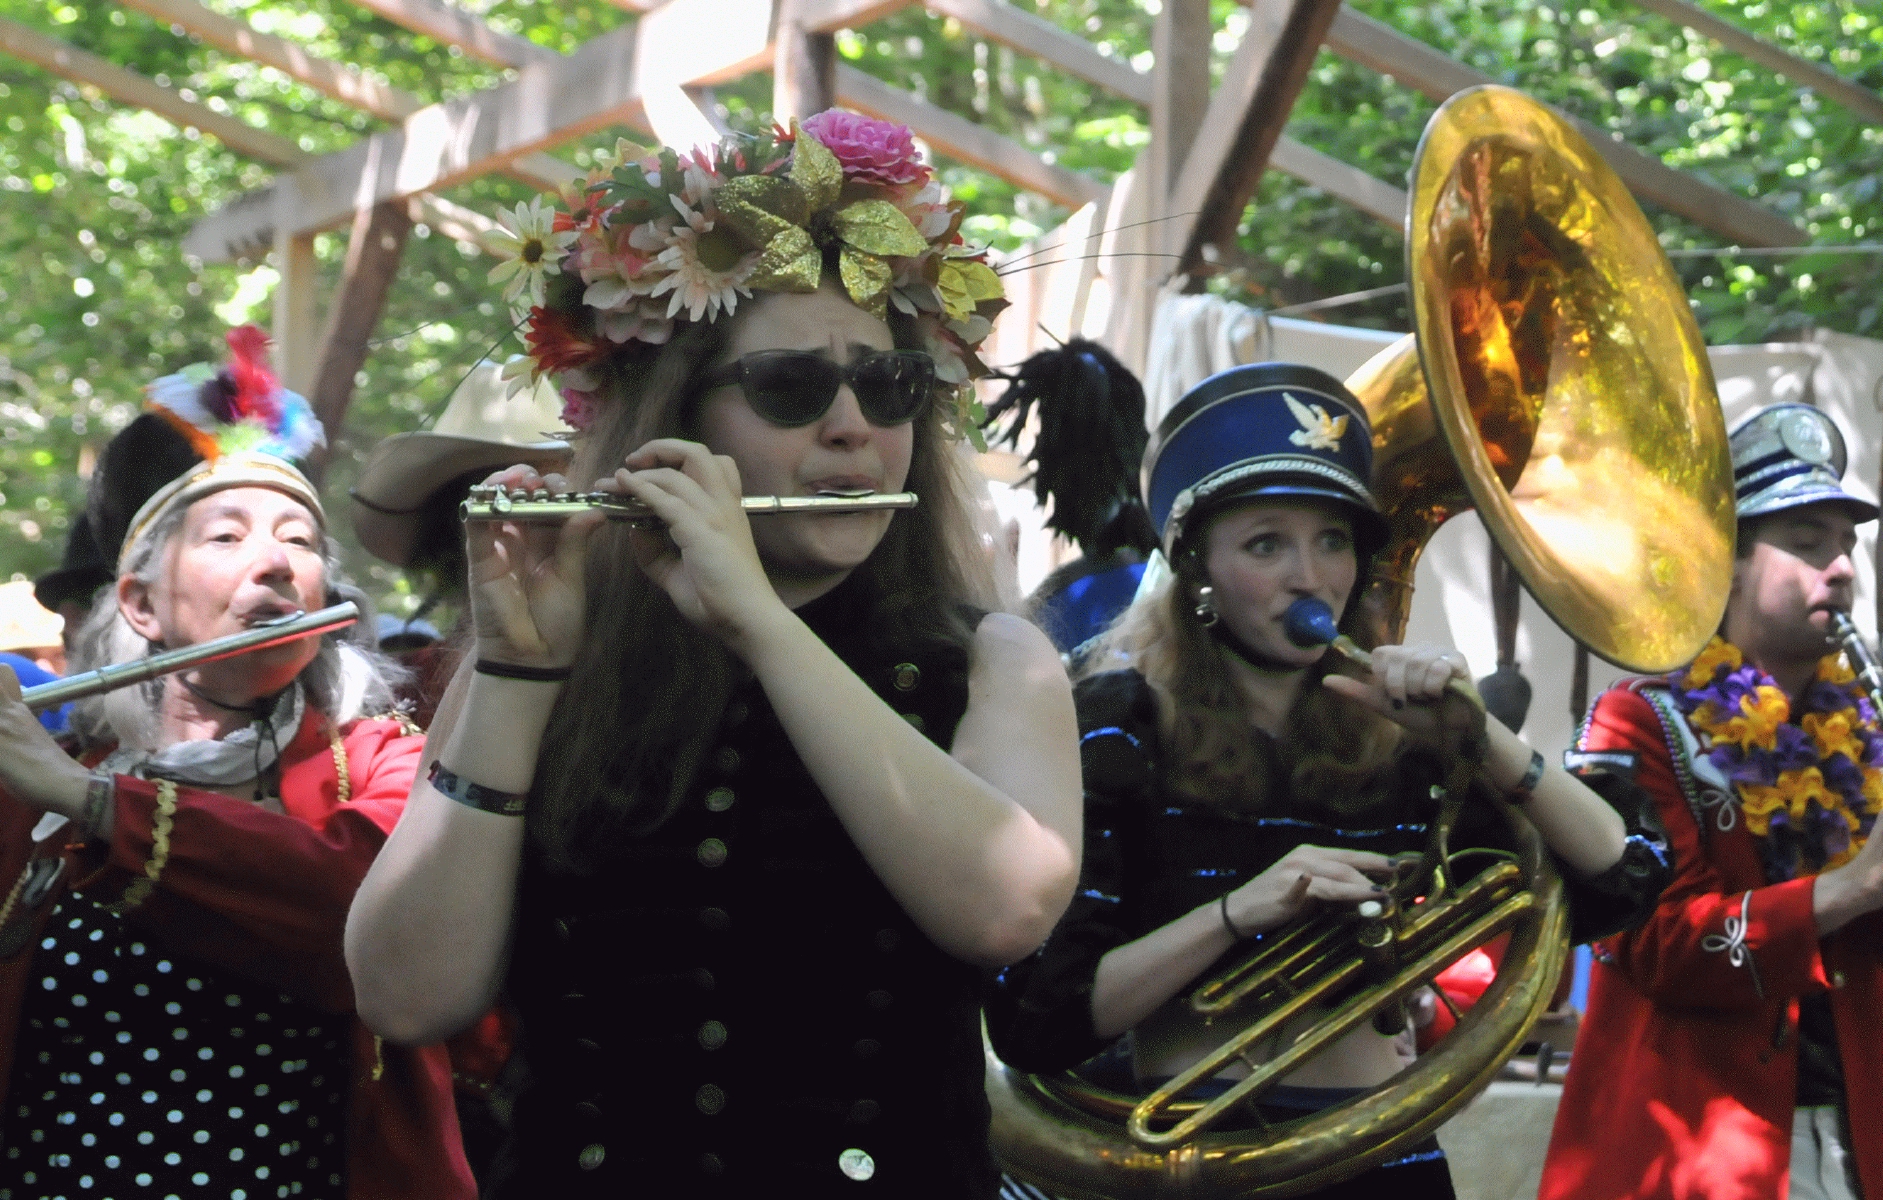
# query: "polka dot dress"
{"points": [[142, 1076]]}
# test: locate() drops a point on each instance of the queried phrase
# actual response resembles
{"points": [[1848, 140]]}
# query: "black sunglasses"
{"points": [[796, 387]]}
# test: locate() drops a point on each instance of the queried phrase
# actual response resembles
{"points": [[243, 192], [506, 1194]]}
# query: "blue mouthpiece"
{"points": [[1309, 623]]}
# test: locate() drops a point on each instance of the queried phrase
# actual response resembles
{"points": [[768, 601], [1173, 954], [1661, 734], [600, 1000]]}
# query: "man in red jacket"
{"points": [[176, 1015], [1731, 1046]]}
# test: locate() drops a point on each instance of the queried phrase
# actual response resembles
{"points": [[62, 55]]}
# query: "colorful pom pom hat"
{"points": [[1266, 429], [1790, 455], [199, 414]]}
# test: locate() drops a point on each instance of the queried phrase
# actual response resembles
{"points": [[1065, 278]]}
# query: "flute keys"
{"points": [[501, 501]]}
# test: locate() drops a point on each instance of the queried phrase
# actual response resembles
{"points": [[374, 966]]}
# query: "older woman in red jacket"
{"points": [[176, 1016]]}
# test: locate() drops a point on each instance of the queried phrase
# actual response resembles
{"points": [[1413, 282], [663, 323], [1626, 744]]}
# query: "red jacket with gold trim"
{"points": [[1685, 1072], [264, 895]]}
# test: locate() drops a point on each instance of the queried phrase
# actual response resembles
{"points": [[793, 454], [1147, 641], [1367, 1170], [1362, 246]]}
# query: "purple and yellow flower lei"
{"points": [[1810, 791]]}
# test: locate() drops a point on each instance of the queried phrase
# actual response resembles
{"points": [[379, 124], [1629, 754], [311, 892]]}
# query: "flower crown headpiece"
{"points": [[651, 238], [239, 406]]}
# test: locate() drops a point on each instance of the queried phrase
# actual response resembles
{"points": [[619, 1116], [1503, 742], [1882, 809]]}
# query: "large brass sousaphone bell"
{"points": [[1557, 383]]}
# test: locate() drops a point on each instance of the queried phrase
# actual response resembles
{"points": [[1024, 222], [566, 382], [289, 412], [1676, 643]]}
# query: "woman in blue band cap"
{"points": [[1234, 781]]}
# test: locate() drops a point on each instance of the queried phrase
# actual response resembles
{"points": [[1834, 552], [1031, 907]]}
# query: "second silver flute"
{"points": [[500, 504]]}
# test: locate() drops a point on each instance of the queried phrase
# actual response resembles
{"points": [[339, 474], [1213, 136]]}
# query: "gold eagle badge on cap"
{"points": [[1318, 430]]}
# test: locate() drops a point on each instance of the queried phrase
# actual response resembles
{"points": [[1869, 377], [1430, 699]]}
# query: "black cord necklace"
{"points": [[261, 712]]}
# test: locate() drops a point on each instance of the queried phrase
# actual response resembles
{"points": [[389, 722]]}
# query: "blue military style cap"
{"points": [[1790, 455], [1267, 429]]}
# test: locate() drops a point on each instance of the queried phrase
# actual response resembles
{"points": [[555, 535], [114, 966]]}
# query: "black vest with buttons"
{"points": [[737, 1006]]}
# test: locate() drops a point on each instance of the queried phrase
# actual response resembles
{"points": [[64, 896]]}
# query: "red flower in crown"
{"points": [[869, 150]]}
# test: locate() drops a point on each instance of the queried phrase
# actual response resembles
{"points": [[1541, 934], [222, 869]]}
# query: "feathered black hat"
{"points": [[1088, 447]]}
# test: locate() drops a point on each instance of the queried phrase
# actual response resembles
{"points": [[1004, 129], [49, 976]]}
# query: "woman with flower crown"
{"points": [[759, 798], [1730, 1048]]}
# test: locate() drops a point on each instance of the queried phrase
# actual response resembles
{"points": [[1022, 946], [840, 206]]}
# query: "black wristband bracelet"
{"points": [[475, 795], [504, 670], [1222, 906]]}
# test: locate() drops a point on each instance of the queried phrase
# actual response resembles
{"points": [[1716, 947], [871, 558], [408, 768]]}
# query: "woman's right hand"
{"points": [[1303, 877], [528, 600]]}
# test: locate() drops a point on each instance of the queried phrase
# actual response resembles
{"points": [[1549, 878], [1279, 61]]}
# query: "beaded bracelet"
{"points": [[474, 795]]}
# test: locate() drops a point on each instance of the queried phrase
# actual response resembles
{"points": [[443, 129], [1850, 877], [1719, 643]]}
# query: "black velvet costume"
{"points": [[1151, 857], [737, 1006]]}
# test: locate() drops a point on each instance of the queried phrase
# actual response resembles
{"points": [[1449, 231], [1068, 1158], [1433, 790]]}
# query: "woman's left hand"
{"points": [[704, 558], [33, 768], [1406, 683]]}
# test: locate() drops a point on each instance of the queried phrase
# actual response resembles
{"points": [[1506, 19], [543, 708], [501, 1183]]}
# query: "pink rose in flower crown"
{"points": [[869, 150]]}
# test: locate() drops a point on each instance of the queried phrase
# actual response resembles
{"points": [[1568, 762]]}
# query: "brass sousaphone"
{"points": [[1558, 384]]}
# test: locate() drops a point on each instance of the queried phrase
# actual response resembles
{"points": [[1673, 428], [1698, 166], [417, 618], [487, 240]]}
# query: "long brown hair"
{"points": [[627, 736], [1335, 756]]}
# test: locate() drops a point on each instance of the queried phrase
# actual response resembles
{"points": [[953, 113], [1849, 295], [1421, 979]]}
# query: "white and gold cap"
{"points": [[1790, 455]]}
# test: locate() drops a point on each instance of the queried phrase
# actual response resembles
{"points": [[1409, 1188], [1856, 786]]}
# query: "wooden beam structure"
{"points": [[828, 16], [1180, 94], [1348, 184], [80, 66], [451, 26], [804, 66], [1028, 34], [547, 104], [372, 263], [330, 78], [1244, 121], [962, 139], [1032, 35], [1860, 100], [295, 323], [1384, 49]]}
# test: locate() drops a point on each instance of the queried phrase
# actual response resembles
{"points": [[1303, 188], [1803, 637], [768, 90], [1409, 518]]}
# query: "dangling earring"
{"points": [[1205, 606]]}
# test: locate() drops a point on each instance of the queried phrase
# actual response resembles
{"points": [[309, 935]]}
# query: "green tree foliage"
{"points": [[96, 298]]}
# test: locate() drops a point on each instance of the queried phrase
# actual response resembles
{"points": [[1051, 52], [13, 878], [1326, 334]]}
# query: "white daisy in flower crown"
{"points": [[653, 238], [532, 249]]}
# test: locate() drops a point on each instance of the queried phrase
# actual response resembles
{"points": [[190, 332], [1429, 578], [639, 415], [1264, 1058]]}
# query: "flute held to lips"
{"points": [[496, 503]]}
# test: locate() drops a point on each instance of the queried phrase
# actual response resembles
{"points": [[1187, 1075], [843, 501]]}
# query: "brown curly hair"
{"points": [[1335, 757]]}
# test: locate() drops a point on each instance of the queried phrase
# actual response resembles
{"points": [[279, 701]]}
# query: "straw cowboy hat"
{"points": [[480, 431], [24, 624]]}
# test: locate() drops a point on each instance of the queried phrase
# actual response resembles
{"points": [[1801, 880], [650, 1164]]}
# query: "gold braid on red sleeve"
{"points": [[145, 884]]}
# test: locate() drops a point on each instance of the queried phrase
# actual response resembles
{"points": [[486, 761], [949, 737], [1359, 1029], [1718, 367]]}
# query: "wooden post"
{"points": [[294, 327], [372, 262], [804, 68], [1244, 122], [1180, 95]]}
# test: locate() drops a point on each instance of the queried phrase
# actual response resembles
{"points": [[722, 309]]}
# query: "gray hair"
{"points": [[348, 678]]}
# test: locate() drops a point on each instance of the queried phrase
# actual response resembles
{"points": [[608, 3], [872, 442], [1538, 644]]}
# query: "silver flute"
{"points": [[1861, 660], [290, 628], [496, 503]]}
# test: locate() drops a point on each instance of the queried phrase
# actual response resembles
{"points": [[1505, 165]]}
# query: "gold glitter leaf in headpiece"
{"points": [[963, 284], [866, 277], [771, 214], [878, 227], [815, 170]]}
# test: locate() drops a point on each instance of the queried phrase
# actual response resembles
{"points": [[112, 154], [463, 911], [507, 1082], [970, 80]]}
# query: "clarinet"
{"points": [[1860, 657]]}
